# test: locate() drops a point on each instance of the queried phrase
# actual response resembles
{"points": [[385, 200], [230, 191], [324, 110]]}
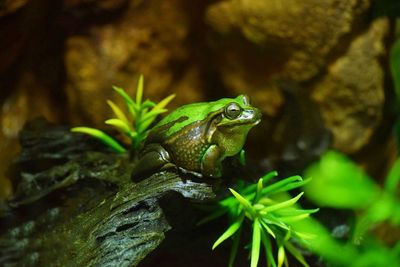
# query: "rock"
{"points": [[351, 94], [301, 39], [115, 54], [94, 4], [10, 6], [261, 42]]}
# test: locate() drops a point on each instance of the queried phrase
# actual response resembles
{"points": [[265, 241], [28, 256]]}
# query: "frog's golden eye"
{"points": [[232, 111]]}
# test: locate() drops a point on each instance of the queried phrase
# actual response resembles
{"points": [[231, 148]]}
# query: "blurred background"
{"points": [[318, 70]]}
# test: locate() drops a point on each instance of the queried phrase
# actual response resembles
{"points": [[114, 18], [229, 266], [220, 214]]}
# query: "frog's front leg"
{"points": [[153, 158], [211, 162]]}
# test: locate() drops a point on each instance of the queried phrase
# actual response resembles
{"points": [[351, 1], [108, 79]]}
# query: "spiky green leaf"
{"points": [[229, 232], [281, 255], [267, 177], [147, 104], [245, 203], [163, 103], [102, 136], [132, 107], [278, 185], [290, 186], [117, 111], [139, 91], [284, 204], [128, 100], [268, 229], [292, 250], [259, 190], [295, 212], [255, 247], [120, 125]]}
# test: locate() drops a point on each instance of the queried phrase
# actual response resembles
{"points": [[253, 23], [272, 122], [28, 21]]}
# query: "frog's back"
{"points": [[180, 118]]}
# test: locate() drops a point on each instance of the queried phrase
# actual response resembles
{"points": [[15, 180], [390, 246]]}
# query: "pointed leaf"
{"points": [[120, 125], [290, 186], [289, 219], [270, 219], [281, 255], [105, 138], [132, 107], [296, 254], [284, 204], [139, 90], [117, 111], [294, 212], [278, 185], [267, 177], [245, 203], [229, 232], [124, 95], [259, 190], [151, 115], [255, 247], [163, 103], [268, 229], [148, 104]]}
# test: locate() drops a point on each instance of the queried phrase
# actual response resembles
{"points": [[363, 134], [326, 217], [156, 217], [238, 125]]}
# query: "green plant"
{"points": [[339, 183], [270, 212], [135, 125]]}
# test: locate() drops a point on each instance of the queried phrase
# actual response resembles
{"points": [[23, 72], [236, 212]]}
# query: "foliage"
{"points": [[340, 183], [270, 213], [135, 125]]}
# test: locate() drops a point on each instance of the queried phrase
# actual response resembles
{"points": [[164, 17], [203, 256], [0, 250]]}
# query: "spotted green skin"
{"points": [[197, 137]]}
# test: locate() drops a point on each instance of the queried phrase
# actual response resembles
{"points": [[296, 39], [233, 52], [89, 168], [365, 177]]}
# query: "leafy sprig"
{"points": [[340, 183], [270, 219], [135, 125]]}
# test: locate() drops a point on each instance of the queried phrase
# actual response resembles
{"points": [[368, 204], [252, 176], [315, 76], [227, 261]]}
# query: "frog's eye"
{"points": [[232, 111]]}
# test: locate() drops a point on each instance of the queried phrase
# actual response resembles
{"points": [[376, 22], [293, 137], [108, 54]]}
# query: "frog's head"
{"points": [[235, 119], [237, 112]]}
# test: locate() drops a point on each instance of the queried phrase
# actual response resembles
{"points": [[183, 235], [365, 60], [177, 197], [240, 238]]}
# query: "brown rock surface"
{"points": [[304, 33], [351, 94], [10, 6], [22, 105], [266, 41], [115, 54]]}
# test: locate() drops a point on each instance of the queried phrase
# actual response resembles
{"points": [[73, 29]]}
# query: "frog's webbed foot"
{"points": [[153, 158], [211, 162]]}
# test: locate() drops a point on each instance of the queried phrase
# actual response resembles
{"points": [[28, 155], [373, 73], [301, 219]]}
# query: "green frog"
{"points": [[196, 138]]}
